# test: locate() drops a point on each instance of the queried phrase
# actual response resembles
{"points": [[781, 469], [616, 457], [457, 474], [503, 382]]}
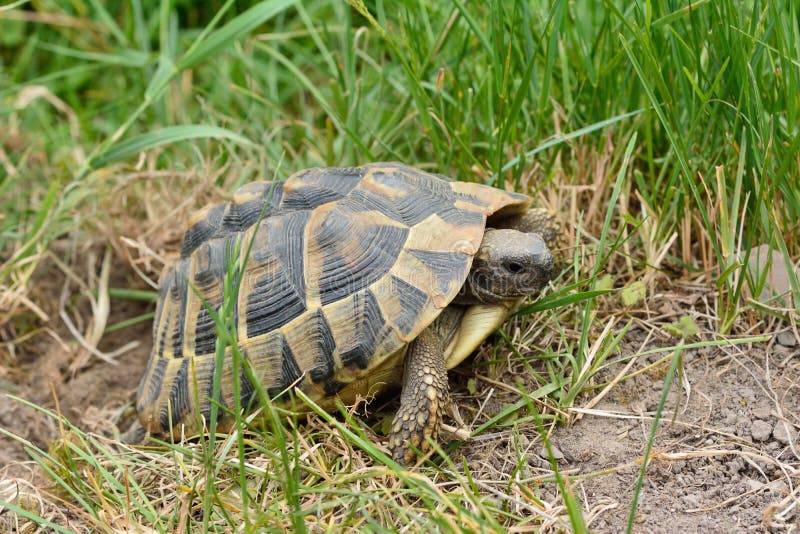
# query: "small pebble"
{"points": [[754, 484], [761, 430], [735, 465], [557, 454], [779, 487], [730, 418], [786, 338], [777, 279], [779, 433], [762, 412]]}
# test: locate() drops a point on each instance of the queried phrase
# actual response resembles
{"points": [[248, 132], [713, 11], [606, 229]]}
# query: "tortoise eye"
{"points": [[514, 267]]}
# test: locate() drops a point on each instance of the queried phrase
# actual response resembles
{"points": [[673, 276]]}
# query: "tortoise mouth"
{"points": [[487, 286]]}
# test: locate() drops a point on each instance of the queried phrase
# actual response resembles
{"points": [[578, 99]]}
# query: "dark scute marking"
{"points": [[421, 195], [246, 388], [321, 342], [162, 336], [202, 230], [369, 322], [178, 405], [285, 240], [355, 257], [205, 337], [207, 280], [278, 296], [445, 266], [432, 182], [412, 180], [319, 186], [290, 371], [518, 196], [360, 200], [415, 209], [242, 216], [332, 387], [472, 199], [408, 180], [178, 287], [163, 291], [272, 302], [176, 337], [443, 177], [150, 385], [412, 301], [176, 281], [391, 165], [231, 244], [463, 217]]}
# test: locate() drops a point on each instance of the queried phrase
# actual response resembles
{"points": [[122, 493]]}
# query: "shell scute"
{"points": [[308, 189], [275, 286], [352, 252], [208, 223]]}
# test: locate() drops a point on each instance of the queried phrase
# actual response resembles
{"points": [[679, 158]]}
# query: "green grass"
{"points": [[671, 132]]}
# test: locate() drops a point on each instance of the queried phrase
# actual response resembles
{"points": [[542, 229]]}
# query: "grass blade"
{"points": [[170, 134], [207, 46]]}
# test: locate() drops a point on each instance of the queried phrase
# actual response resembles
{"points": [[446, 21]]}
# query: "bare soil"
{"points": [[726, 456], [730, 454], [91, 396], [724, 464]]}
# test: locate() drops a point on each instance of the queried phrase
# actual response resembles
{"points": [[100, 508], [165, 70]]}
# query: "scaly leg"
{"points": [[423, 400]]}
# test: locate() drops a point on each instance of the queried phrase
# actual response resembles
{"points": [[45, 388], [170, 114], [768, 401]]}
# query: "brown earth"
{"points": [[724, 464], [91, 396], [728, 462]]}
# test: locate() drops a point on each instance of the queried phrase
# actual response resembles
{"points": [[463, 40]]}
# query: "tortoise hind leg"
{"points": [[423, 400]]}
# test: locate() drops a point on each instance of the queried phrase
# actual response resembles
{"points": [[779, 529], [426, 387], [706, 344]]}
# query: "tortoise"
{"points": [[351, 280]]}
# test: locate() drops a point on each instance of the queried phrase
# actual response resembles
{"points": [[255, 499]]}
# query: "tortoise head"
{"points": [[509, 264]]}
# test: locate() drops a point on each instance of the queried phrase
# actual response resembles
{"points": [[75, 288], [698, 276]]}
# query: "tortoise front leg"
{"points": [[423, 400]]}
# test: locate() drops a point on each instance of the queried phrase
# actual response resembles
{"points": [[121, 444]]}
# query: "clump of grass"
{"points": [[330, 473]]}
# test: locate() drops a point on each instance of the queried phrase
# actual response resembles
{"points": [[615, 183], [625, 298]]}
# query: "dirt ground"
{"points": [[728, 463]]}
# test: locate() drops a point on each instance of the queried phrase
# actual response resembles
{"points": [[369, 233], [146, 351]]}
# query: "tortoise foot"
{"points": [[423, 400]]}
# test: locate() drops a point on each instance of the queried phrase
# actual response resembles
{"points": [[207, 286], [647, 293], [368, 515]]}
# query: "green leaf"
{"points": [[125, 57], [685, 328], [166, 136], [560, 302], [386, 424], [633, 293], [605, 283]]}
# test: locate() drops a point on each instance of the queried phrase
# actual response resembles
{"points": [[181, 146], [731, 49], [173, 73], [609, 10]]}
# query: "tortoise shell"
{"points": [[338, 270]]}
